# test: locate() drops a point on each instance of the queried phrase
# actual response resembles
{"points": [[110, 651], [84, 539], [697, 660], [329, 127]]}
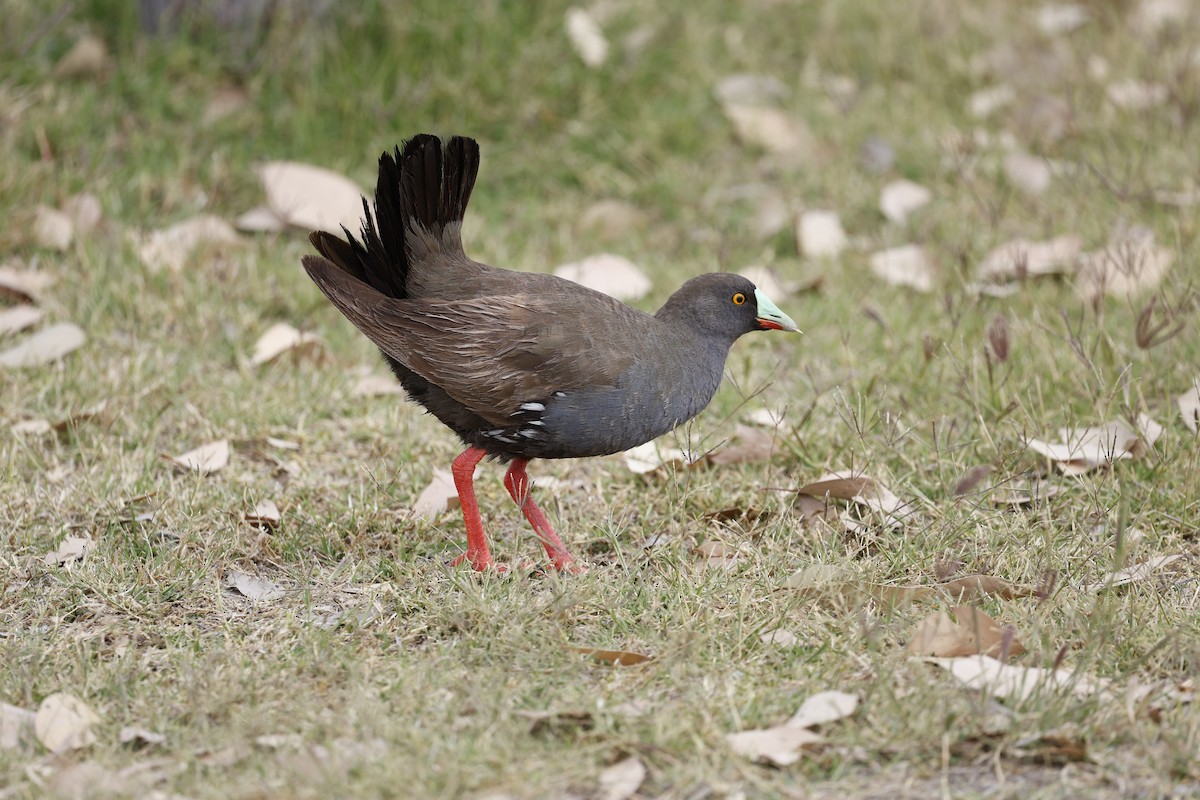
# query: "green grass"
{"points": [[419, 690]]}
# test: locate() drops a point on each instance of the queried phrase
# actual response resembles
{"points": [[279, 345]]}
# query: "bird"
{"points": [[520, 365]]}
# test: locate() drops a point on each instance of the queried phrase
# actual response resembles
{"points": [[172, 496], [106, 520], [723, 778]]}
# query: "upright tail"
{"points": [[421, 196]]}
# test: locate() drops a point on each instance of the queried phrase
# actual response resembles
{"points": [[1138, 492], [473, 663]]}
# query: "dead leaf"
{"points": [[18, 318], [1049, 749], [86, 58], [622, 658], [31, 427], [64, 722], [780, 746], [172, 247], [438, 497], [23, 285], [1133, 574], [750, 89], [259, 220], [1020, 258], [311, 198], [781, 637], [44, 347], [825, 581], [765, 417], [16, 726], [557, 723], [622, 779], [282, 338], [861, 490], [650, 457], [52, 229], [586, 37], [899, 199], [1085, 449], [1135, 95], [985, 102], [972, 479], [973, 587], [264, 515], [84, 211], [906, 265], [206, 459], [139, 737], [1057, 19], [1017, 683], [254, 587], [772, 129], [1131, 263], [823, 708], [820, 234], [1030, 174], [1189, 406], [753, 445], [613, 275], [963, 631], [71, 548], [372, 385]]}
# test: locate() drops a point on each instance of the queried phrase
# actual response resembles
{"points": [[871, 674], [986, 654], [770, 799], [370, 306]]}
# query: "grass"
{"points": [[421, 687]]}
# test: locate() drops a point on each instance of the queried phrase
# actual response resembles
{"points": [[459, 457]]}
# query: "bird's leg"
{"points": [[516, 480], [463, 470]]}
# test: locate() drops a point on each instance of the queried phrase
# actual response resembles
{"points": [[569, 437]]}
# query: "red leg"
{"points": [[516, 480], [463, 470]]}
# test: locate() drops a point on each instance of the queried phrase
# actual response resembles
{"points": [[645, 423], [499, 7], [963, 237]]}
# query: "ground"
{"points": [[378, 670]]}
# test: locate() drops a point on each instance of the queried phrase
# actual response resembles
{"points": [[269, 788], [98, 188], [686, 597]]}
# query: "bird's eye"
{"points": [[739, 299]]}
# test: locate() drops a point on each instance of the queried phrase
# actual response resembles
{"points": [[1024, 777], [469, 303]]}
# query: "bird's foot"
{"points": [[480, 563]]}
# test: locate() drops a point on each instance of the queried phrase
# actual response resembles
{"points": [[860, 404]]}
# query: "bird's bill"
{"points": [[770, 318]]}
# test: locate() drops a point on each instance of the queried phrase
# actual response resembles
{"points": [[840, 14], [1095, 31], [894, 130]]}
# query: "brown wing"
{"points": [[490, 354]]}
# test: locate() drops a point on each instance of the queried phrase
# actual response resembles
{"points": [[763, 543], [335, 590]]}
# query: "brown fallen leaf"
{"points": [[780, 746], [973, 478], [44, 347], [1189, 406], [1085, 449], [771, 129], [820, 234], [282, 338], [823, 708], [64, 722], [52, 229], [752, 445], [139, 737], [963, 631], [23, 285], [861, 490], [557, 723], [652, 457], [18, 318], [1017, 683], [1133, 574], [264, 515], [309, 197], [622, 658], [1049, 749], [1024, 493], [16, 726], [172, 247], [206, 459], [1131, 263], [86, 58], [621, 780], [71, 548], [373, 385], [438, 497], [586, 37], [254, 587], [899, 199], [1021, 258], [907, 265], [609, 274]]}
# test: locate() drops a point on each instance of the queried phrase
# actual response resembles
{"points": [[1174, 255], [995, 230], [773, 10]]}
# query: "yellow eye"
{"points": [[739, 299]]}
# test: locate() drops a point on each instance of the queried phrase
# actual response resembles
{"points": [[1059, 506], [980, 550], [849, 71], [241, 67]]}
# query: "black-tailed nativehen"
{"points": [[520, 365]]}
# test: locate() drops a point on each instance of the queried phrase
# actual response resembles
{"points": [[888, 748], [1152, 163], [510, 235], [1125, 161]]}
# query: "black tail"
{"points": [[422, 186]]}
